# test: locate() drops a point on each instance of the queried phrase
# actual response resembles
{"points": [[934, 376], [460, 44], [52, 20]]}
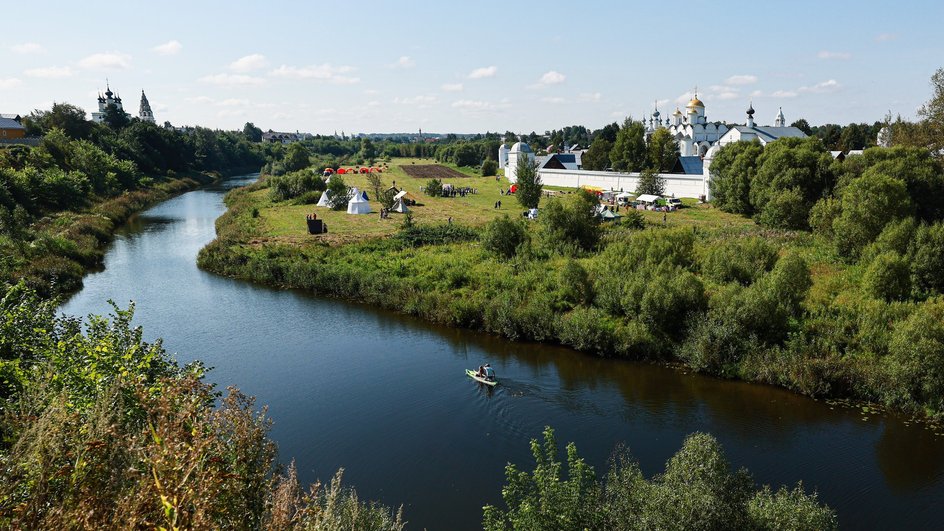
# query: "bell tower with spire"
{"points": [[144, 113]]}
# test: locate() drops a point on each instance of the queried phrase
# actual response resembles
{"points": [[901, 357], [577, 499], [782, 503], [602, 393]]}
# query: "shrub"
{"points": [[822, 215], [569, 226], [292, 185], [434, 188], [743, 260], [868, 204], [927, 258], [338, 193], [785, 209], [916, 358], [504, 236], [489, 168], [574, 286], [887, 277]]}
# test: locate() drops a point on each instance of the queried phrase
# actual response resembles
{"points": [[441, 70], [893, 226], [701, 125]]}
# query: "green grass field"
{"points": [[286, 221]]}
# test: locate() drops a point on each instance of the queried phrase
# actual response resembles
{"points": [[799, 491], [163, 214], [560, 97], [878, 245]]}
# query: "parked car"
{"points": [[673, 202]]}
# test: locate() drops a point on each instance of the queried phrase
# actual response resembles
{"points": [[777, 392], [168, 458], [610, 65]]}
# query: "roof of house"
{"points": [[9, 123], [691, 165], [560, 161]]}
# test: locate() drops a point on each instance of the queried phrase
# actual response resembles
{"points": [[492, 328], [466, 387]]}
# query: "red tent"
{"points": [[514, 188], [341, 171], [328, 170], [365, 170]]}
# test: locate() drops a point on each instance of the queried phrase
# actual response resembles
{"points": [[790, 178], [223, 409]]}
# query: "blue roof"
{"points": [[691, 165], [8, 123], [566, 157]]}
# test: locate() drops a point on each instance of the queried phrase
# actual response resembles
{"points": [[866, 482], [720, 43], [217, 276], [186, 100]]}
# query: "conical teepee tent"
{"points": [[323, 202], [400, 207], [357, 204]]}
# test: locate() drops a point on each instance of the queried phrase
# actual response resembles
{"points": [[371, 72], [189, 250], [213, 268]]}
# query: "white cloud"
{"points": [[552, 78], [225, 113], [825, 54], [729, 95], [233, 102], [485, 71], [590, 97], [232, 80], [885, 37], [479, 105], [168, 48], [783, 94], [553, 99], [403, 62], [452, 87], [249, 63], [27, 48], [684, 98], [741, 79], [324, 72], [618, 114], [50, 72], [106, 61], [9, 82], [422, 100], [826, 86], [373, 103], [757, 94]]}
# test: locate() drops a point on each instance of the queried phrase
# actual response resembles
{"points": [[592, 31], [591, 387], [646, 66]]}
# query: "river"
{"points": [[385, 396]]}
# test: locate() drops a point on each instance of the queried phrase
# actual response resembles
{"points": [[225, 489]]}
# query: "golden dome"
{"points": [[695, 103]]}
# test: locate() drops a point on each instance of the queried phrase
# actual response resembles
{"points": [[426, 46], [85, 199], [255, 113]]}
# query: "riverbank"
{"points": [[67, 245], [722, 298]]}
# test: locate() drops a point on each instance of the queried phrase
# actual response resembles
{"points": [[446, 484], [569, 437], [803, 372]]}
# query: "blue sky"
{"points": [[473, 66]]}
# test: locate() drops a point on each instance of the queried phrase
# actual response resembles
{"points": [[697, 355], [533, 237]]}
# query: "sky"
{"points": [[467, 67]]}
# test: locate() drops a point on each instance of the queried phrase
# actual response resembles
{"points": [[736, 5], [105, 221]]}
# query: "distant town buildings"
{"points": [[284, 138]]}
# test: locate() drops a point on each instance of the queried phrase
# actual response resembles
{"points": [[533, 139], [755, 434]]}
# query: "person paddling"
{"points": [[486, 371]]}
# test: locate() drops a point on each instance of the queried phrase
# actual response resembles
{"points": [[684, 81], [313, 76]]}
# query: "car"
{"points": [[673, 202]]}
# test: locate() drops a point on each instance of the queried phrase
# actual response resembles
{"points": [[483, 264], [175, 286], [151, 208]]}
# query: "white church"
{"points": [[110, 98], [698, 141]]}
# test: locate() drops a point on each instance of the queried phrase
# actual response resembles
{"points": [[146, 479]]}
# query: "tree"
{"points": [[115, 118], [489, 168], [803, 125], [504, 236], [598, 156], [568, 226], [887, 277], [868, 204], [297, 157], [69, 118], [927, 258], [529, 183], [252, 133], [916, 358], [338, 193], [663, 151], [376, 184], [801, 164], [368, 150], [732, 170], [650, 182], [933, 112], [629, 149], [434, 188]]}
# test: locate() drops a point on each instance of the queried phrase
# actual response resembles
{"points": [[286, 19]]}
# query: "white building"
{"points": [[763, 134], [110, 98], [691, 130], [518, 151], [144, 112]]}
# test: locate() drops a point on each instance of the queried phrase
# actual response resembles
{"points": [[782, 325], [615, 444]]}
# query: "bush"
{"points": [[785, 209], [338, 193], [916, 358], [743, 260], [822, 215], [489, 168], [292, 185], [927, 259], [504, 236], [887, 277], [434, 188], [868, 204], [574, 286], [570, 226]]}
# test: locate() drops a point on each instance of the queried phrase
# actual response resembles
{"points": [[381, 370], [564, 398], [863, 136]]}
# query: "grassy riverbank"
{"points": [[708, 289], [57, 250]]}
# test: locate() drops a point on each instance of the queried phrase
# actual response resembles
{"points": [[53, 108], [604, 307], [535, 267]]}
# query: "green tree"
{"points": [[732, 171], [598, 156], [570, 225], [466, 155], [927, 258], [542, 499], [252, 133], [663, 151], [916, 359], [115, 118], [434, 187], [338, 193], [489, 167], [528, 182], [650, 182], [888, 277], [69, 118], [629, 149], [504, 237], [803, 125], [376, 184], [932, 113], [297, 157], [799, 164], [868, 204]]}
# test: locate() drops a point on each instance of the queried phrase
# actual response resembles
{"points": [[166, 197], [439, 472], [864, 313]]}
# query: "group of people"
{"points": [[497, 204], [311, 217]]}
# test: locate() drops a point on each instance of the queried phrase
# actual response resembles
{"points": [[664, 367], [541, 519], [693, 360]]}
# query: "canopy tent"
{"points": [[624, 195], [404, 195], [648, 198], [357, 203], [605, 214], [400, 207], [325, 197]]}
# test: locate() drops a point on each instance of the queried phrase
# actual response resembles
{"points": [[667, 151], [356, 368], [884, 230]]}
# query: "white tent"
{"points": [[357, 204], [648, 198], [400, 207], [403, 194], [324, 199]]}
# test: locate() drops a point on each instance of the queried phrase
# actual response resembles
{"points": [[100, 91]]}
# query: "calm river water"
{"points": [[385, 396]]}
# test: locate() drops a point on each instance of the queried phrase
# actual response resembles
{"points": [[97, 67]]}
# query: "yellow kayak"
{"points": [[472, 374]]}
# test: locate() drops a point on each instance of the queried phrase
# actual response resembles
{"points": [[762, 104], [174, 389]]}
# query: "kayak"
{"points": [[472, 374]]}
